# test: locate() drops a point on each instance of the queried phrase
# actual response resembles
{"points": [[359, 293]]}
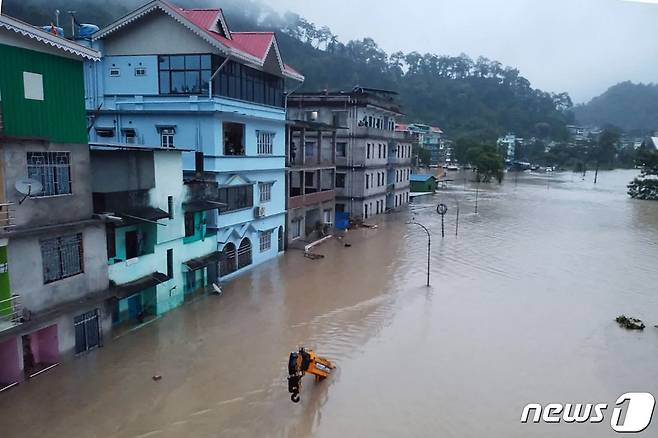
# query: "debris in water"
{"points": [[157, 377], [347, 245], [313, 256], [630, 323]]}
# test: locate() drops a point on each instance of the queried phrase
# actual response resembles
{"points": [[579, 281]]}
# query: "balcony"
{"points": [[6, 216], [11, 312], [311, 199], [133, 269], [367, 132]]}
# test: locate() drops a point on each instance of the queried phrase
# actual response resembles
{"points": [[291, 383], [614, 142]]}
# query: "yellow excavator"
{"points": [[302, 362]]}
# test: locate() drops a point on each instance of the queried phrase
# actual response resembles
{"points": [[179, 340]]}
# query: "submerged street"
{"points": [[521, 310]]}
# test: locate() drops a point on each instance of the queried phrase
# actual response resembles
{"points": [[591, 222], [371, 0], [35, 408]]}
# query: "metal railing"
{"points": [[6, 215], [11, 311]]}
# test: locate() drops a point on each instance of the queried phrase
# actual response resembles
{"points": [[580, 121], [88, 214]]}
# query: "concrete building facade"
{"points": [[311, 168], [369, 152], [54, 278], [173, 78]]}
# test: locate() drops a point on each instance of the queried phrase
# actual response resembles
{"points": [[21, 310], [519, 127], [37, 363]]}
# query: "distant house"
{"points": [[422, 183]]}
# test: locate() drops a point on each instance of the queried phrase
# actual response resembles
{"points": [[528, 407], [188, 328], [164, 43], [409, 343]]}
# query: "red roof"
{"points": [[253, 43], [203, 18], [401, 127]]}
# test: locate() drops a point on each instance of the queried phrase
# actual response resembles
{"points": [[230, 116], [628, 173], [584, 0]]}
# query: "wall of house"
{"points": [[60, 114], [39, 211], [128, 83], [136, 170], [27, 280], [156, 33]]}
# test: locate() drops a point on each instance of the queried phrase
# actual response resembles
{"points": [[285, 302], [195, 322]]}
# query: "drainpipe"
{"points": [[221, 66]]}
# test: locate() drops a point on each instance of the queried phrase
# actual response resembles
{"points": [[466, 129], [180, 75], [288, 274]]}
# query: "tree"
{"points": [[646, 185], [487, 161], [605, 149]]}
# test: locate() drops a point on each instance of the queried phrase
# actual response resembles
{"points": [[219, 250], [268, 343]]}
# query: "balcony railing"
{"points": [[11, 312], [6, 215]]}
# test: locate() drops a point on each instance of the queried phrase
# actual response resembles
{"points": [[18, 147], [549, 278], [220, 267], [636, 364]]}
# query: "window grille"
{"points": [[265, 141], [265, 192], [52, 169], [62, 257], [265, 240]]}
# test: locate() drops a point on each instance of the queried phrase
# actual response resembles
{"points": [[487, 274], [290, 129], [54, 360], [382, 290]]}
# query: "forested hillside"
{"points": [[463, 96], [631, 107]]}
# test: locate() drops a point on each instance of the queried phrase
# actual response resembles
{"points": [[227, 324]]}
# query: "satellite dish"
{"points": [[28, 187]]}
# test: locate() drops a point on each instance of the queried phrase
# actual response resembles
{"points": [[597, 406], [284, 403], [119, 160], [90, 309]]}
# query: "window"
{"points": [[133, 244], [129, 135], [380, 151], [264, 141], [245, 83], [367, 181], [340, 118], [140, 71], [368, 151], [233, 138], [326, 216], [184, 74], [341, 149], [236, 197], [170, 263], [296, 228], [244, 253], [110, 238], [52, 170], [170, 206], [33, 86], [309, 148], [105, 132], [311, 116], [365, 211], [167, 137], [114, 72], [190, 229], [61, 257], [265, 192], [265, 240], [340, 180], [309, 178]]}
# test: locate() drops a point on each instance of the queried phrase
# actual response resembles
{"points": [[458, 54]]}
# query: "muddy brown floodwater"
{"points": [[521, 309]]}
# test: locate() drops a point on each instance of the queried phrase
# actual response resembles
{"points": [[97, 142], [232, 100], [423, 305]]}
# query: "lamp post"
{"points": [[429, 245]]}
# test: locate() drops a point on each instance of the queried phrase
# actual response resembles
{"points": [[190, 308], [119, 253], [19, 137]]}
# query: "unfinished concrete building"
{"points": [[310, 183], [373, 161]]}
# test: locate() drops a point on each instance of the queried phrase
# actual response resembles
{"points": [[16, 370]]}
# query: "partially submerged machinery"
{"points": [[302, 362]]}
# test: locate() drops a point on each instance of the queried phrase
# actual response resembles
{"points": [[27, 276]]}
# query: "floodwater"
{"points": [[521, 309]]}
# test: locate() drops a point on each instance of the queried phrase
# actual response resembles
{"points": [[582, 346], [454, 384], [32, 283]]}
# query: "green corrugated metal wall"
{"points": [[61, 116]]}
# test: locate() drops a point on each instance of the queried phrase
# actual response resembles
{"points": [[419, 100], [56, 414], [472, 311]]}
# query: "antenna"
{"points": [[28, 187]]}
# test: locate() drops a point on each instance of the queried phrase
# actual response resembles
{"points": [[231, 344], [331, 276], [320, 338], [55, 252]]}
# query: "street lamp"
{"points": [[429, 245]]}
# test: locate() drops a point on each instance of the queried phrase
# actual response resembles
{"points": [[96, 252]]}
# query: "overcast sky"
{"points": [[578, 46]]}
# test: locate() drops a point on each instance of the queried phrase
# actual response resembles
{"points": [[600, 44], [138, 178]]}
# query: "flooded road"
{"points": [[521, 309]]}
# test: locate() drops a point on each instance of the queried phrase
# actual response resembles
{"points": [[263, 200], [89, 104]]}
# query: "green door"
{"points": [[5, 293]]}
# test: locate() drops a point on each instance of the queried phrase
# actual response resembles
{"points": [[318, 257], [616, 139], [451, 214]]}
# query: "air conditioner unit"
{"points": [[259, 212]]}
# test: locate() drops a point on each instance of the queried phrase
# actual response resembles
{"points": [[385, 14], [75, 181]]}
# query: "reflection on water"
{"points": [[521, 309]]}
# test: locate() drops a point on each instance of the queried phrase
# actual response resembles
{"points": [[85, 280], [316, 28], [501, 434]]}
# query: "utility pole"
{"points": [[429, 245]]}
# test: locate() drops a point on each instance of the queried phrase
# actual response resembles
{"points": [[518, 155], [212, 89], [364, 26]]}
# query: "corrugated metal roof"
{"points": [[420, 177]]}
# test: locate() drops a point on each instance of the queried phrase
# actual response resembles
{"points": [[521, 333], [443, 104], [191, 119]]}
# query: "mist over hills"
{"points": [[461, 95]]}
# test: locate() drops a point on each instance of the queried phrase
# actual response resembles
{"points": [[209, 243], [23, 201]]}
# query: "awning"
{"points": [[202, 262], [203, 205], [127, 289], [143, 214]]}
